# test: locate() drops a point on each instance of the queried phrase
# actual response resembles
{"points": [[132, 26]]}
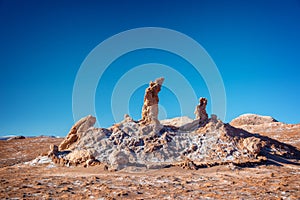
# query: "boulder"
{"points": [[77, 157], [76, 131], [253, 145]]}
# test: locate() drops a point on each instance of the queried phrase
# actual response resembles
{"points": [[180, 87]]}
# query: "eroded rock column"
{"points": [[200, 110], [150, 107]]}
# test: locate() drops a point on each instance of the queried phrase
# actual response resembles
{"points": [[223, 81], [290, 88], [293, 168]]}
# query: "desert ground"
{"points": [[21, 178]]}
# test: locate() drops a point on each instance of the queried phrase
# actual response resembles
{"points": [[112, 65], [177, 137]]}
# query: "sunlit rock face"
{"points": [[76, 131], [200, 110], [151, 143], [150, 106], [252, 119]]}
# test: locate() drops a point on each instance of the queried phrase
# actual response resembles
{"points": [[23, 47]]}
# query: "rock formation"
{"points": [[150, 107], [252, 119], [200, 110], [253, 145], [76, 131], [16, 138], [53, 150], [180, 141], [265, 126]]}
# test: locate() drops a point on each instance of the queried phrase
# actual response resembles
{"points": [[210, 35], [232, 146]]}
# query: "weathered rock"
{"points": [[213, 118], [177, 121], [130, 143], [91, 162], [79, 156], [200, 110], [150, 107], [253, 145], [76, 131], [53, 150], [16, 138], [252, 119], [148, 143], [118, 159], [127, 118]]}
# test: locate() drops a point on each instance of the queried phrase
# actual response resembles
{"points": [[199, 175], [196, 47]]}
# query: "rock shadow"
{"points": [[277, 153]]}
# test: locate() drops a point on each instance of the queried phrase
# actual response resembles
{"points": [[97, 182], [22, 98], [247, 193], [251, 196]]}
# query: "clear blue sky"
{"points": [[255, 45]]}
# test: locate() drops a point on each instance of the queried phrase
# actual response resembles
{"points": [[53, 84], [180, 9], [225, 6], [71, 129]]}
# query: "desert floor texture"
{"points": [[21, 178]]}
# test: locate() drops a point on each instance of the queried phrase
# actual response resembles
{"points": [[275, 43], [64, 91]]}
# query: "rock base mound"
{"points": [[130, 143], [153, 144]]}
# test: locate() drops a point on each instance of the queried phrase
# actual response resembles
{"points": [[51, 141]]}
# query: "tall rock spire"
{"points": [[200, 110], [150, 107]]}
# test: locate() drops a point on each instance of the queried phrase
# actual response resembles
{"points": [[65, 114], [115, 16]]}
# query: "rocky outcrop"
{"points": [[53, 150], [200, 110], [253, 145], [130, 143], [252, 119], [76, 131], [262, 127], [16, 138], [75, 157], [177, 121], [148, 143], [150, 107]]}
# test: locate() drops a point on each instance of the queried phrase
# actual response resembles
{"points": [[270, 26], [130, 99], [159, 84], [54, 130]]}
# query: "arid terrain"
{"points": [[252, 157], [22, 178]]}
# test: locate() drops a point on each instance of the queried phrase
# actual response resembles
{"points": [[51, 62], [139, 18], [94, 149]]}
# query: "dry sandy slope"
{"points": [[21, 150], [269, 127], [270, 181]]}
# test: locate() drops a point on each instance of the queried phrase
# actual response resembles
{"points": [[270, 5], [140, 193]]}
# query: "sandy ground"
{"points": [[20, 150], [272, 180]]}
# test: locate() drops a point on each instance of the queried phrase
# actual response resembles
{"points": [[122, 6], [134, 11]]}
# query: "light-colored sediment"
{"points": [[151, 144]]}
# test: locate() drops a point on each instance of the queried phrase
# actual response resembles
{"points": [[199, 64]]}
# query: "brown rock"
{"points": [[74, 135], [252, 119], [61, 161], [150, 107], [90, 162], [53, 150], [253, 145], [214, 118], [79, 156], [152, 144], [200, 110], [16, 138]]}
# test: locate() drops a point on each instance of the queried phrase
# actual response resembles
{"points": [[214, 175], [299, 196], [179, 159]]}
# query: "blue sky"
{"points": [[255, 45]]}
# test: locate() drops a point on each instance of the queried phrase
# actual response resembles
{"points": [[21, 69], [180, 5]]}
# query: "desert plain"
{"points": [[252, 157]]}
